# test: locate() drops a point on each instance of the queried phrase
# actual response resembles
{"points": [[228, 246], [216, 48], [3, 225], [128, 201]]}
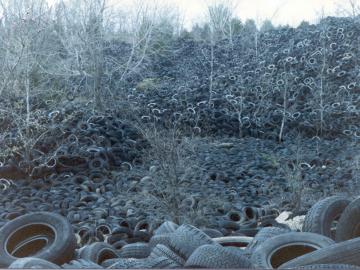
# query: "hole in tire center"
{"points": [[333, 226], [106, 255], [249, 212], [288, 253], [235, 217], [144, 227], [235, 244], [29, 240], [104, 229], [356, 232]]}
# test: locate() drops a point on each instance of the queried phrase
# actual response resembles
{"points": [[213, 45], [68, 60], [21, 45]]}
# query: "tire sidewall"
{"points": [[61, 250]]}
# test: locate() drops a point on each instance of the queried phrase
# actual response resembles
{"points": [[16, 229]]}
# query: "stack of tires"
{"points": [[330, 239]]}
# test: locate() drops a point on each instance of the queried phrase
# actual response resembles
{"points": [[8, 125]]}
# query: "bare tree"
{"points": [[284, 108], [323, 83], [81, 32], [221, 16], [348, 8], [25, 43], [141, 25], [151, 26]]}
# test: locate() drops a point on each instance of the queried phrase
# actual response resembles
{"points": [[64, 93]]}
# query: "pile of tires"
{"points": [[247, 86], [75, 140], [330, 239]]}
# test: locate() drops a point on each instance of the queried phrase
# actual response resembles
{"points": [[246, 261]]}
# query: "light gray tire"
{"points": [[349, 223], [238, 251], [328, 267], [347, 252], [187, 238], [163, 239], [285, 247], [263, 235], [164, 251], [130, 263], [43, 235], [156, 263], [109, 262], [81, 264], [31, 262], [213, 233], [211, 256], [166, 227], [135, 250], [323, 215]]}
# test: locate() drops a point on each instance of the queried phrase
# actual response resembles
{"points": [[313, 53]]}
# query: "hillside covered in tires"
{"points": [[193, 160], [313, 68]]}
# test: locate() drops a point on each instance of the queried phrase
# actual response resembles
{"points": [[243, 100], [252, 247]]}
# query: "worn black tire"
{"points": [[144, 236], [282, 248], [144, 225], [31, 262], [251, 232], [98, 252], [347, 252], [103, 229], [115, 238], [187, 238], [135, 250], [121, 230], [81, 264], [263, 235], [211, 256], [321, 216], [164, 251], [349, 223], [229, 224], [236, 216], [328, 267], [40, 227]]}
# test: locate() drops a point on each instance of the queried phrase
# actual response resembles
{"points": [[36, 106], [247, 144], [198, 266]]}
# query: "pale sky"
{"points": [[291, 12]]}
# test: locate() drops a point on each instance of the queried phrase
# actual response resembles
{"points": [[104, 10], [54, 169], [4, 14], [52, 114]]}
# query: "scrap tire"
{"points": [[25, 237]]}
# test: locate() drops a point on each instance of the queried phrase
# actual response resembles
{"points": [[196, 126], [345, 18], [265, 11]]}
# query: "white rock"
{"points": [[295, 223]]}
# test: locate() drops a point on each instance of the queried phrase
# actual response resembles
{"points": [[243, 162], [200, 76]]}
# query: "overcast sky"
{"points": [[291, 12]]}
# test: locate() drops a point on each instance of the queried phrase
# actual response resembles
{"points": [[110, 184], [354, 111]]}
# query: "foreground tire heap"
{"points": [[330, 239]]}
